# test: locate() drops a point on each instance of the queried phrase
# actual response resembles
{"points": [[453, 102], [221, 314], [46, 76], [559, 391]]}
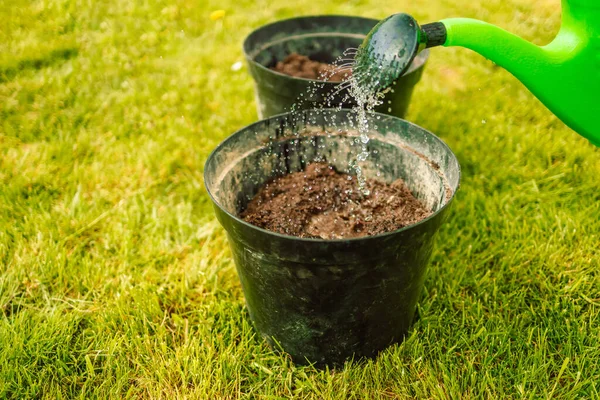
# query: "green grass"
{"points": [[116, 279]]}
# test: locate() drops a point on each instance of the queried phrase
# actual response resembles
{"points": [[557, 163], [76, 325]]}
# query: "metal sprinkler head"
{"points": [[387, 51]]}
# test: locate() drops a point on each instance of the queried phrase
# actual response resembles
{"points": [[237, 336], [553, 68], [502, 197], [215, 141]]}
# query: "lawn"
{"points": [[116, 280]]}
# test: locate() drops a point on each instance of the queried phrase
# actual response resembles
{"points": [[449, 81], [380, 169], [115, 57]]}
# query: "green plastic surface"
{"points": [[564, 75]]}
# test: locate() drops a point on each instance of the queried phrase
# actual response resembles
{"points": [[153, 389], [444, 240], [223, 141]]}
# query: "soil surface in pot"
{"points": [[301, 66], [323, 203]]}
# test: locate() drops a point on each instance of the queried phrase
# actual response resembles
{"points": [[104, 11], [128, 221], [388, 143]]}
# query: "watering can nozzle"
{"points": [[564, 75]]}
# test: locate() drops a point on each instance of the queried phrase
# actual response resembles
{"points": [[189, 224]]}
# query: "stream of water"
{"points": [[365, 98]]}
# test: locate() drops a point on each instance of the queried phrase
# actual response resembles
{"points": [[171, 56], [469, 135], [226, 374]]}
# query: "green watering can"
{"points": [[564, 75]]}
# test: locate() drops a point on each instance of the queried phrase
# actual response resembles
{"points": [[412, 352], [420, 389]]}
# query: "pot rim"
{"points": [[417, 63], [315, 240]]}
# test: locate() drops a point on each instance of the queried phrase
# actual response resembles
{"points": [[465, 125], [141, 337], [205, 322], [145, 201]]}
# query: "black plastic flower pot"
{"points": [[322, 38], [324, 301]]}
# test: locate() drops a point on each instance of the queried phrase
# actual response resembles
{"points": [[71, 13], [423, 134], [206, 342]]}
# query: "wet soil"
{"points": [[303, 67], [322, 203]]}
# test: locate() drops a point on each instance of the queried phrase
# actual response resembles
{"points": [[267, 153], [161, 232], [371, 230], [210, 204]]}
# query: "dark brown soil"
{"points": [[322, 203], [303, 67]]}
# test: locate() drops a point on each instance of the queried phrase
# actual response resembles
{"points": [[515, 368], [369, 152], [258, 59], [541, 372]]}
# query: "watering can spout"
{"points": [[564, 75]]}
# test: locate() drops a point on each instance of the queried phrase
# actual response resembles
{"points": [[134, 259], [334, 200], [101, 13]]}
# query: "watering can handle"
{"points": [[585, 3]]}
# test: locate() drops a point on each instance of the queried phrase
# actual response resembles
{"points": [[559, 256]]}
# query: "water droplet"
{"points": [[236, 66]]}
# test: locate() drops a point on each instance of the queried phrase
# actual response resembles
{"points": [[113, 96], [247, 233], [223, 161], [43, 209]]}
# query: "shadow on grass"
{"points": [[10, 71]]}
